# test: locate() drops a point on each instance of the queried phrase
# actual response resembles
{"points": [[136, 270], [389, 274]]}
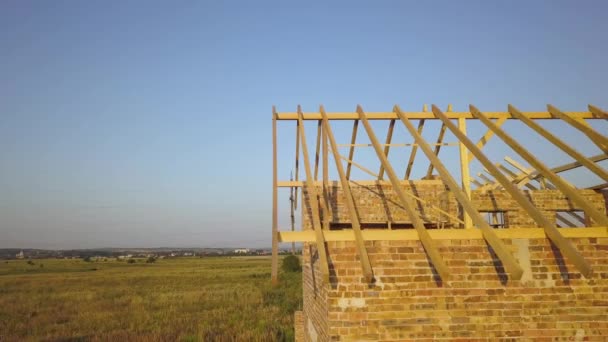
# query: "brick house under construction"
{"points": [[519, 253]]}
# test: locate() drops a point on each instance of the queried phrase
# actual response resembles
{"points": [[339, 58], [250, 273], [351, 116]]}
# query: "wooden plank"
{"points": [[274, 267], [597, 112], [561, 184], [317, 150], [509, 262], [351, 152], [579, 157], [407, 203], [350, 203], [443, 234], [387, 146], [426, 115], [529, 173], [465, 176], [564, 245], [429, 171], [312, 199], [486, 137], [578, 123], [410, 162]]}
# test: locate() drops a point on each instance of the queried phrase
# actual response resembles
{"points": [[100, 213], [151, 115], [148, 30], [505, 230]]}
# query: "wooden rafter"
{"points": [[350, 203], [351, 152], [412, 158], [429, 170], [580, 124], [407, 203], [387, 146], [498, 246], [598, 112], [563, 186], [312, 200], [317, 150], [563, 244], [579, 157]]}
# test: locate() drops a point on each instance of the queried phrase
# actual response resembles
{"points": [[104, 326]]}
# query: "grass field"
{"points": [[182, 299]]}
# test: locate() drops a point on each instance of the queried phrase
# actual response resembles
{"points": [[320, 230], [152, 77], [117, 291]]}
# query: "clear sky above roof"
{"points": [[148, 123]]}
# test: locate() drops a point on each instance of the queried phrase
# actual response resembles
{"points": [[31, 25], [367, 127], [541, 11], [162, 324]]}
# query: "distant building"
{"points": [[241, 251], [20, 255]]}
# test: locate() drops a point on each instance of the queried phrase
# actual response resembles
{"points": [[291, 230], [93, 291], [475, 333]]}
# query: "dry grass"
{"points": [[194, 299]]}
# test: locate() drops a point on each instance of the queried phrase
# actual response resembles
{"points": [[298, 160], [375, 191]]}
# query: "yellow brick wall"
{"points": [[408, 301]]}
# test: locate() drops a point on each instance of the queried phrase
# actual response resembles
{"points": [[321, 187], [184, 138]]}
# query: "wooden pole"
{"points": [[274, 268], [464, 172]]}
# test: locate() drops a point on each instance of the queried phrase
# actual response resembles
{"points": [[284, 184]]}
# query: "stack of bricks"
{"points": [[408, 300]]}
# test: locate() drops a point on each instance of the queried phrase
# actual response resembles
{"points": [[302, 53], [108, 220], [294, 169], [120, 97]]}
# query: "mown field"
{"points": [[182, 299]]}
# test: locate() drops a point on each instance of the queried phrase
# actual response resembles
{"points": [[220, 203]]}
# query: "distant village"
{"points": [[121, 254]]}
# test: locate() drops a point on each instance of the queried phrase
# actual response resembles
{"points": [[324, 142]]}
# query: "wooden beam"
{"points": [[564, 245], [295, 202], [396, 145], [578, 123], [599, 186], [375, 182], [412, 158], [529, 175], [359, 166], [317, 150], [325, 180], [443, 234], [597, 112], [464, 199], [350, 203], [465, 176], [570, 166], [312, 200], [351, 152], [407, 203], [429, 171], [427, 115], [274, 267], [593, 167], [387, 146], [486, 137], [561, 184]]}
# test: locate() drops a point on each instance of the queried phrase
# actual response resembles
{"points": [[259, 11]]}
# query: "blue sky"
{"points": [[132, 123]]}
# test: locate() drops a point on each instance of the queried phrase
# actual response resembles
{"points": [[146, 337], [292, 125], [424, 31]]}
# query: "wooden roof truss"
{"points": [[512, 179]]}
